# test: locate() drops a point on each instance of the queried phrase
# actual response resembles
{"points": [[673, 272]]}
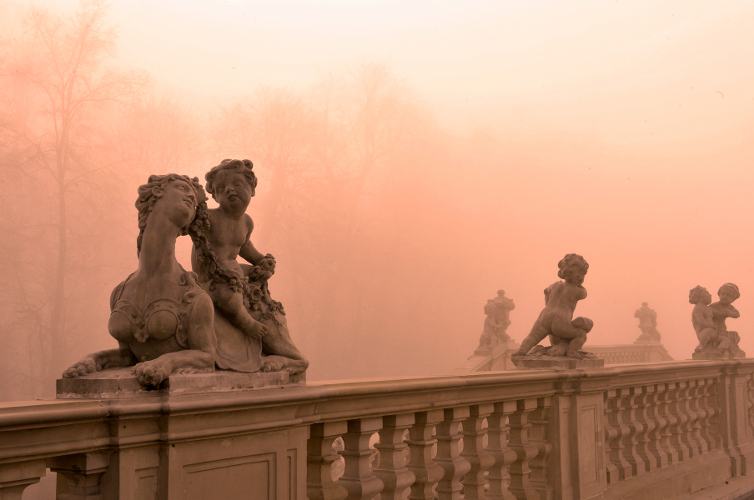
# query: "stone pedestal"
{"points": [[707, 355], [555, 362], [120, 383]]}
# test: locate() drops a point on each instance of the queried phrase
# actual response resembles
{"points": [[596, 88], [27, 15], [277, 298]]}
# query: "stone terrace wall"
{"points": [[647, 432]]}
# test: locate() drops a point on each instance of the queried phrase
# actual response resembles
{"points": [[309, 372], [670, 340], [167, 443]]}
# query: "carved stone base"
{"points": [[714, 354], [555, 362], [120, 383]]}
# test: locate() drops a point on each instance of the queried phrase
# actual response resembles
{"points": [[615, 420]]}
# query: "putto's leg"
{"points": [[537, 334], [575, 346], [562, 327], [231, 305]]}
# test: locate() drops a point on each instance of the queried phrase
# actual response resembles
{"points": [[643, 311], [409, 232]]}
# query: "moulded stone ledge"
{"points": [[120, 383]]}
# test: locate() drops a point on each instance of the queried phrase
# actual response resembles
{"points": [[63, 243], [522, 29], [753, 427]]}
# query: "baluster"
{"points": [[358, 479], [480, 460], [655, 434], [420, 443], [615, 427], [678, 425], [519, 442], [670, 418], [703, 415], [631, 427], [448, 434], [497, 445], [391, 469], [694, 437], [709, 424], [643, 446], [612, 431], [538, 437], [750, 403], [320, 457], [688, 435]]}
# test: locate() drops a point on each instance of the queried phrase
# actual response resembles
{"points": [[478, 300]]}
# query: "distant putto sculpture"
{"points": [[723, 309], [715, 342], [647, 324], [497, 321], [567, 335]]}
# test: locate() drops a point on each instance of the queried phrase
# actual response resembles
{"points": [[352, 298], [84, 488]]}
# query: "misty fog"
{"points": [[413, 158]]}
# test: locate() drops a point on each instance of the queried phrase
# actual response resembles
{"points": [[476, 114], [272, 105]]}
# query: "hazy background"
{"points": [[413, 158]]}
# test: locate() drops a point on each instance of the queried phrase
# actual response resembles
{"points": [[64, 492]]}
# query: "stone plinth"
{"points": [[710, 354], [120, 383], [555, 362]]}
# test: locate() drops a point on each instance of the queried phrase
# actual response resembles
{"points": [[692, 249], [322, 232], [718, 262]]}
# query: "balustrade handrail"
{"points": [[46, 429], [366, 397]]}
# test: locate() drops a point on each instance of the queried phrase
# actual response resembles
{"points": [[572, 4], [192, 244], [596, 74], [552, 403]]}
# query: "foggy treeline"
{"points": [[338, 164], [390, 232]]}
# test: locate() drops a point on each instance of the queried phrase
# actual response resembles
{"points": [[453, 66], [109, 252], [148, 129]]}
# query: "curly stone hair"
{"points": [[732, 287], [148, 195], [241, 166], [570, 261], [696, 294]]}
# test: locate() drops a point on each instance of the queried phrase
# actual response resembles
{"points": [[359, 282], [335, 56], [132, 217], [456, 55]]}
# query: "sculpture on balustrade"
{"points": [[715, 341], [723, 309], [252, 331], [171, 321], [497, 321], [567, 335], [160, 315], [647, 325]]}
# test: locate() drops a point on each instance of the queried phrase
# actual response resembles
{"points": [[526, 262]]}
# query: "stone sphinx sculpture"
{"points": [[647, 324], [497, 321], [160, 316], [168, 320], [715, 341], [567, 335]]}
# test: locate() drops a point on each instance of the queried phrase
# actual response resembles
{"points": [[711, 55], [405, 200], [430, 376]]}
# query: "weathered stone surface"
{"points": [[707, 354], [715, 341], [168, 321], [567, 335], [638, 432], [121, 383], [254, 323], [555, 362], [160, 316], [723, 309]]}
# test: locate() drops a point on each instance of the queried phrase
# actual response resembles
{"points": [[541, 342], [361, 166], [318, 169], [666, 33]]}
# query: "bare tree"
{"points": [[61, 93]]}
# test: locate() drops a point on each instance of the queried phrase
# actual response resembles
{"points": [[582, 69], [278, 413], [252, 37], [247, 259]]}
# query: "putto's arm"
{"points": [[247, 251]]}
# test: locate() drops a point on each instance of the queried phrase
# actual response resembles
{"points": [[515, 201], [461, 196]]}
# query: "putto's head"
{"points": [[219, 176], [188, 195], [489, 308], [699, 294], [728, 293], [572, 267]]}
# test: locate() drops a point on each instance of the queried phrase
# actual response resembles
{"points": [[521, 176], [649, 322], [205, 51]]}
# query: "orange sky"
{"points": [[638, 117]]}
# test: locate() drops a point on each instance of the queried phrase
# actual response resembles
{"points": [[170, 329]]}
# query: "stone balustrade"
{"points": [[636, 432], [630, 353]]}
